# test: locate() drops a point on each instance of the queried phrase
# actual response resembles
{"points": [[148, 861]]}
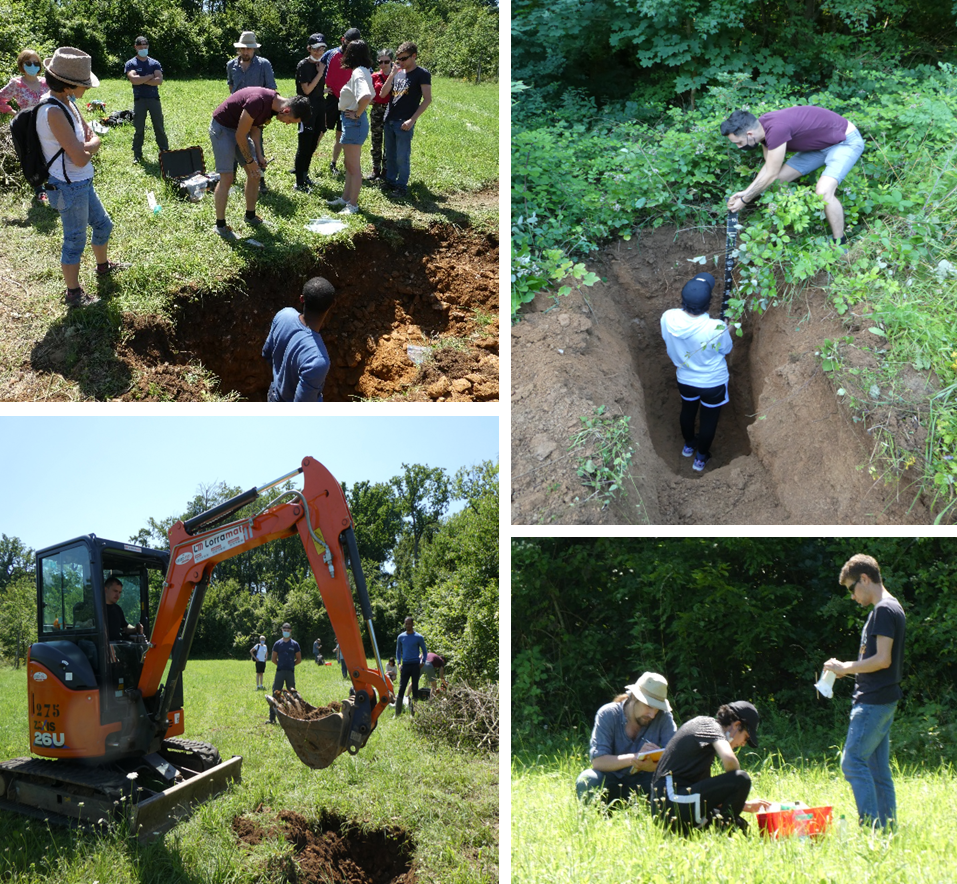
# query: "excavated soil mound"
{"points": [[433, 289], [333, 850], [786, 450]]}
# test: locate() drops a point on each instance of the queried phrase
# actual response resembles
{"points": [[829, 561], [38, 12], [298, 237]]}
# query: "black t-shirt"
{"points": [[115, 623], [407, 93], [690, 751], [883, 686], [305, 73]]}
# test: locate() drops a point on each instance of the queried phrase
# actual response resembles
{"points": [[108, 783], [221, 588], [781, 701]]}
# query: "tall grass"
{"points": [[556, 839]]}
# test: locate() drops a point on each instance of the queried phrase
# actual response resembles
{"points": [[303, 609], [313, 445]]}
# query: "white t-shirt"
{"points": [[50, 146], [261, 651], [358, 87]]}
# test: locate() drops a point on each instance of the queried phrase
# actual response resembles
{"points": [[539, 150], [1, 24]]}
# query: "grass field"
{"points": [[175, 254], [446, 801], [554, 839]]}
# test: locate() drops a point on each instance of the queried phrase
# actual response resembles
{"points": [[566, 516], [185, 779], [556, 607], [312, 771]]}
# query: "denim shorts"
{"points": [[79, 208], [836, 159], [354, 131], [225, 149]]}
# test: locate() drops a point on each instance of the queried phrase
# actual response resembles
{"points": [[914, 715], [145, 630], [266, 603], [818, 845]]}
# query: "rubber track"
{"points": [[108, 782], [175, 747]]}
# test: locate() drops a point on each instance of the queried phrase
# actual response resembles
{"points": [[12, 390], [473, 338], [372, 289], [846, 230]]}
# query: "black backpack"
{"points": [[26, 142]]}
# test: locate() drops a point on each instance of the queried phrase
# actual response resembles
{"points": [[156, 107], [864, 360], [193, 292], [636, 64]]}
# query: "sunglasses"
{"points": [[853, 586], [403, 58]]}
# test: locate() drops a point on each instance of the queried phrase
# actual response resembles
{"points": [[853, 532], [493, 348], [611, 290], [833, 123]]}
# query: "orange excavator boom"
{"points": [[321, 517]]}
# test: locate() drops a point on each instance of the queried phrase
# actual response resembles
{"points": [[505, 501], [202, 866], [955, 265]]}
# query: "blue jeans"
{"points": [[79, 208], [866, 763], [398, 153], [593, 783]]}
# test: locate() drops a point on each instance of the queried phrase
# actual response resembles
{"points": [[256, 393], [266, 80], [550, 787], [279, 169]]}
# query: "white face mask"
{"points": [[727, 736]]}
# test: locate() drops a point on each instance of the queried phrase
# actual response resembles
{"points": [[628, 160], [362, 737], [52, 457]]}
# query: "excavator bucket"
{"points": [[317, 735]]}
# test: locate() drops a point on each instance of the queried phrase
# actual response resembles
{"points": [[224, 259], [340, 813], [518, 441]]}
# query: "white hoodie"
{"points": [[697, 346]]}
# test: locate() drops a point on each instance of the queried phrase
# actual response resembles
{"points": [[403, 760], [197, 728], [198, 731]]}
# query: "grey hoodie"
{"points": [[697, 346]]}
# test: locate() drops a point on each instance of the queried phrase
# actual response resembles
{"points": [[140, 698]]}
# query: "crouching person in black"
{"points": [[686, 796]]}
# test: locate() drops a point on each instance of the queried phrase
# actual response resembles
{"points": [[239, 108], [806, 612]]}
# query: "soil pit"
{"points": [[333, 849], [786, 450], [435, 289]]}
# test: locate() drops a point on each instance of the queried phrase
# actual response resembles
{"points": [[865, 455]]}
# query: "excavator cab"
{"points": [[82, 684]]}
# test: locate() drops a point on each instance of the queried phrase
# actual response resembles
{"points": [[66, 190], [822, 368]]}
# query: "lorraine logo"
{"points": [[39, 676], [219, 542]]}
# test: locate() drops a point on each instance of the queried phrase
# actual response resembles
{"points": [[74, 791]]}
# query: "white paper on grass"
{"points": [[326, 226]]}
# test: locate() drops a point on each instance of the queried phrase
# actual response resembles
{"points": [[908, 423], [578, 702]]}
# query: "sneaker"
{"points": [[699, 461], [372, 176], [302, 188], [310, 182], [255, 221], [687, 451], [225, 232], [79, 298], [349, 210], [112, 267], [137, 161], [338, 201]]}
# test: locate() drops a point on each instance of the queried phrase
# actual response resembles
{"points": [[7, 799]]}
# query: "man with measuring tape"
{"points": [[820, 137]]}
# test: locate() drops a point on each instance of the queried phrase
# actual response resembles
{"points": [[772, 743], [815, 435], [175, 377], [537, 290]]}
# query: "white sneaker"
{"points": [[338, 201], [349, 210]]}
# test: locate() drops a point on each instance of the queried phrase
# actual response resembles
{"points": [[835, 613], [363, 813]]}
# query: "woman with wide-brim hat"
{"points": [[69, 145]]}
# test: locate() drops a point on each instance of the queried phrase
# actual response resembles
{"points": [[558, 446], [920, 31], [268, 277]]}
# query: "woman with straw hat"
{"points": [[69, 145]]}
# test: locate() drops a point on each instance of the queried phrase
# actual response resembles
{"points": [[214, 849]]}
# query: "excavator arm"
{"points": [[320, 516]]}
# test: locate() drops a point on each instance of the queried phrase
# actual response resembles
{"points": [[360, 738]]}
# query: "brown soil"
{"points": [[786, 451], [418, 289], [333, 849]]}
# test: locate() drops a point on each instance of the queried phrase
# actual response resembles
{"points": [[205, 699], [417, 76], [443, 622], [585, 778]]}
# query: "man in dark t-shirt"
{"points": [[286, 656], [310, 81], [865, 761], [409, 89], [820, 137], [117, 629]]}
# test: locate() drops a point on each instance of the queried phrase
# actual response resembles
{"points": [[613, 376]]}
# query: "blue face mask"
{"points": [[286, 634], [32, 69], [142, 53]]}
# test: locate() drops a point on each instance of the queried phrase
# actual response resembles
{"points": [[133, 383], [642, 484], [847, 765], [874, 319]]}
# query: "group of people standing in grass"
{"points": [[335, 90], [637, 749]]}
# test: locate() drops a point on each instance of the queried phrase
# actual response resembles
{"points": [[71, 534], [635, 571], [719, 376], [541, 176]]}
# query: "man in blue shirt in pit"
{"points": [[408, 646], [295, 349]]}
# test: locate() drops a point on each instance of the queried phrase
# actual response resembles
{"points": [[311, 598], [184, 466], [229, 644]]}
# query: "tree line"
{"points": [[195, 37], [417, 559], [658, 51]]}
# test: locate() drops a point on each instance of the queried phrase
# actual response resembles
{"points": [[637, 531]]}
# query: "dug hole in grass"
{"points": [[188, 320]]}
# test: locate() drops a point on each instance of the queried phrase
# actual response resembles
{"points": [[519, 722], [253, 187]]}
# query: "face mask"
{"points": [[727, 736], [142, 53], [32, 69], [286, 634]]}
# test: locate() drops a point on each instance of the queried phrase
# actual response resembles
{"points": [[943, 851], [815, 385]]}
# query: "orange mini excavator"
{"points": [[102, 717]]}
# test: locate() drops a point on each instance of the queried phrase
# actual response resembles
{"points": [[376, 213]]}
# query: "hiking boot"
{"points": [[699, 463], [111, 267], [79, 298]]}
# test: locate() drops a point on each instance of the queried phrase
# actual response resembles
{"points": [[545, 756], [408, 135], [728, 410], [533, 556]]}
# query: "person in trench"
{"points": [[698, 345]]}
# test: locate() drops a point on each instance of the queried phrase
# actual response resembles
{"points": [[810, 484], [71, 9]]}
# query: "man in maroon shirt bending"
{"points": [[820, 137], [236, 136]]}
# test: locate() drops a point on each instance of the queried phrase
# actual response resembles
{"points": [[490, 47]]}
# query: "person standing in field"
{"points": [[26, 91], [317, 651], [259, 652], [146, 74], [410, 651], [636, 721], [336, 77], [865, 761], [820, 137], [377, 113], [409, 89], [310, 80], [286, 656], [354, 97], [686, 796], [249, 69]]}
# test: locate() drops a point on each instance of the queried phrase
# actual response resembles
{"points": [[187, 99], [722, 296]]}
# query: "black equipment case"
{"points": [[185, 170]]}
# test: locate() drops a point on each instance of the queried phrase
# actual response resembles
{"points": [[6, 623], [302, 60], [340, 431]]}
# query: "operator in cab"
{"points": [[117, 629]]}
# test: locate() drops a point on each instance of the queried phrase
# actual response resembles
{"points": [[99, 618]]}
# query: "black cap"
{"points": [[696, 295], [748, 716], [352, 35], [316, 40]]}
